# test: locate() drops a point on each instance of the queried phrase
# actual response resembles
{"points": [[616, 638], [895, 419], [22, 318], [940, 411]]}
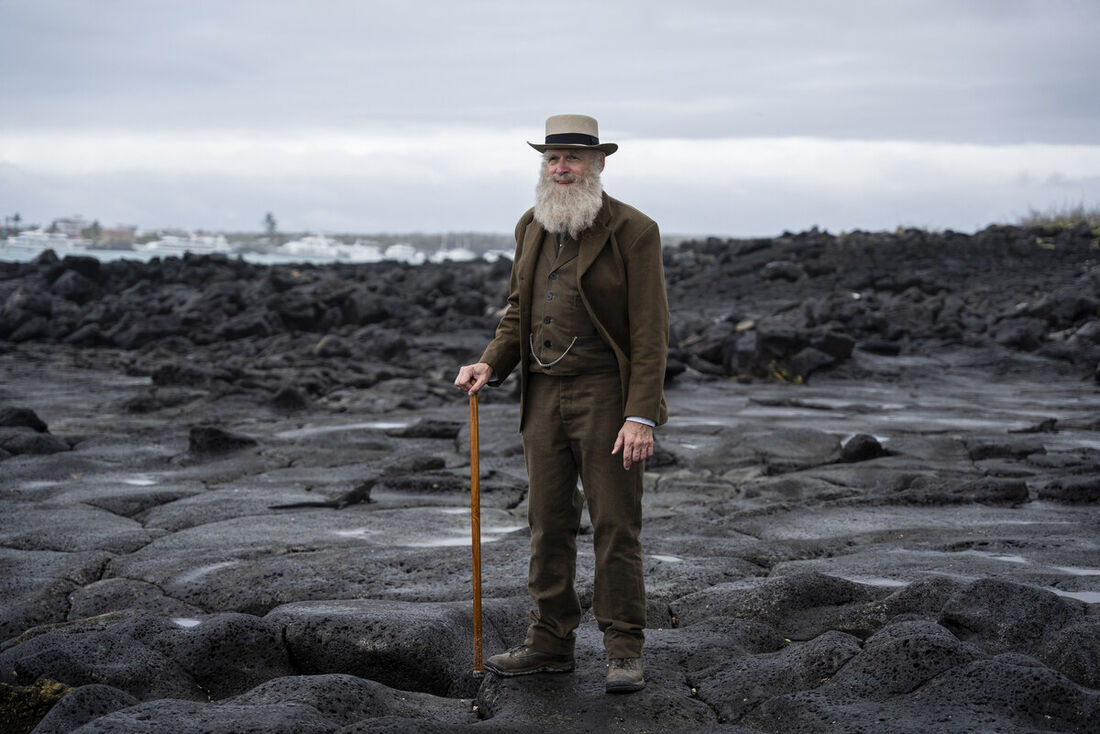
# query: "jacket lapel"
{"points": [[594, 239], [532, 245]]}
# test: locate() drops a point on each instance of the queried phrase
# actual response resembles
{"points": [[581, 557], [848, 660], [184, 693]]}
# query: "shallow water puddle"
{"points": [[1089, 597], [666, 559], [195, 574], [456, 531], [356, 533], [186, 623], [321, 430], [881, 581], [489, 534], [139, 480], [1075, 571]]}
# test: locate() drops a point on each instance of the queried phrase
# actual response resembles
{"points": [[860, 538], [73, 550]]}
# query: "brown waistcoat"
{"points": [[563, 338]]}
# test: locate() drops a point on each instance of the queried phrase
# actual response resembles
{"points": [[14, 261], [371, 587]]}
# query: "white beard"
{"points": [[569, 209]]}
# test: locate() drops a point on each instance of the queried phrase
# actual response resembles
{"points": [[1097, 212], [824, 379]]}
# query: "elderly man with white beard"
{"points": [[587, 324]]}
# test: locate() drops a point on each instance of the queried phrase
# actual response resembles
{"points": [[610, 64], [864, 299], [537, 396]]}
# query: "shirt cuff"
{"points": [[643, 421]]}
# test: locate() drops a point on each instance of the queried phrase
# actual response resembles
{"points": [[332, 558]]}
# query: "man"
{"points": [[587, 324]]}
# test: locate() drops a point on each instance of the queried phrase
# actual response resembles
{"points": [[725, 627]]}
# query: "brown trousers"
{"points": [[570, 429]]}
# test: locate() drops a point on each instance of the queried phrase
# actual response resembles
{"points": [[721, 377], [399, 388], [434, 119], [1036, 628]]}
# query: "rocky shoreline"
{"points": [[874, 508]]}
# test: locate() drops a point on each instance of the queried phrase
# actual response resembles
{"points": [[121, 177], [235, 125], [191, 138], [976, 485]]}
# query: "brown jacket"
{"points": [[622, 286]]}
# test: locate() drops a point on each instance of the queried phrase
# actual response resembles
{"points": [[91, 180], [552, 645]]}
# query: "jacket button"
{"points": [[546, 320], [546, 343], [549, 296], [553, 276]]}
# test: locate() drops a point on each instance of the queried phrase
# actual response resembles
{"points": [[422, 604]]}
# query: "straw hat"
{"points": [[573, 131]]}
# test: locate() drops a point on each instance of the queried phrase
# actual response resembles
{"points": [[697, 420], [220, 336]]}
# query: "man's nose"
{"points": [[560, 167]]}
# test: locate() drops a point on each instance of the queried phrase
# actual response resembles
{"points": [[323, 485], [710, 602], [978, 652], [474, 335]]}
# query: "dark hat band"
{"points": [[572, 139]]}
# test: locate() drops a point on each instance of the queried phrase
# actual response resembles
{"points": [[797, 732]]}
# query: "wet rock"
{"points": [[1022, 333], [108, 657], [428, 429], [1005, 693], [26, 441], [252, 324], [12, 417], [1047, 425], [1002, 616], [345, 700], [28, 300], [224, 654], [801, 605], [81, 705], [790, 449], [414, 463], [75, 287], [41, 526], [139, 331], [923, 490], [1011, 448], [289, 398], [214, 440], [758, 678], [332, 346], [782, 270], [881, 346], [364, 308], [388, 345], [36, 583], [33, 328], [84, 265], [1074, 651], [415, 647], [193, 717], [159, 399], [88, 335], [120, 594], [398, 725], [1072, 490], [430, 482], [901, 658], [808, 361], [861, 447]]}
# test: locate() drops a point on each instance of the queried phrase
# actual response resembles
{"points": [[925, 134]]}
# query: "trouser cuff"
{"points": [[543, 641]]}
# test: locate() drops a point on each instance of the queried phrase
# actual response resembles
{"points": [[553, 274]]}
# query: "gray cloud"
{"points": [[976, 71]]}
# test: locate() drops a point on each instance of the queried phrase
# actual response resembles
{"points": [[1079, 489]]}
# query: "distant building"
{"points": [[120, 236], [72, 226]]}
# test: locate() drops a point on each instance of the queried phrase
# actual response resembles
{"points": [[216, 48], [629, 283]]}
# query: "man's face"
{"points": [[566, 166]]}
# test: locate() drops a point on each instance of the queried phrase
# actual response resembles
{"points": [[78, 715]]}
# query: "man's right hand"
{"points": [[472, 377]]}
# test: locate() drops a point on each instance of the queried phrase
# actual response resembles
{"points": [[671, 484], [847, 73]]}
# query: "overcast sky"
{"points": [[735, 118]]}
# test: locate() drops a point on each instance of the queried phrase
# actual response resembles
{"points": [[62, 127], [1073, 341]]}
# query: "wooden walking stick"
{"points": [[475, 525]]}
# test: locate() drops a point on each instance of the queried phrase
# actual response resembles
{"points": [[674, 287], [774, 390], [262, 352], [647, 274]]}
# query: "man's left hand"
{"points": [[635, 440]]}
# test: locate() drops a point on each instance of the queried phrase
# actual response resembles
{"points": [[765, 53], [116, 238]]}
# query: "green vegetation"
{"points": [[93, 233], [1064, 217]]}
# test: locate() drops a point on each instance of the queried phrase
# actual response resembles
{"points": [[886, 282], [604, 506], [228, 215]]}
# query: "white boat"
{"points": [[37, 240]]}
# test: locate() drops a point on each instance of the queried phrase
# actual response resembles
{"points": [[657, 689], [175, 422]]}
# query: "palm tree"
{"points": [[269, 225]]}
